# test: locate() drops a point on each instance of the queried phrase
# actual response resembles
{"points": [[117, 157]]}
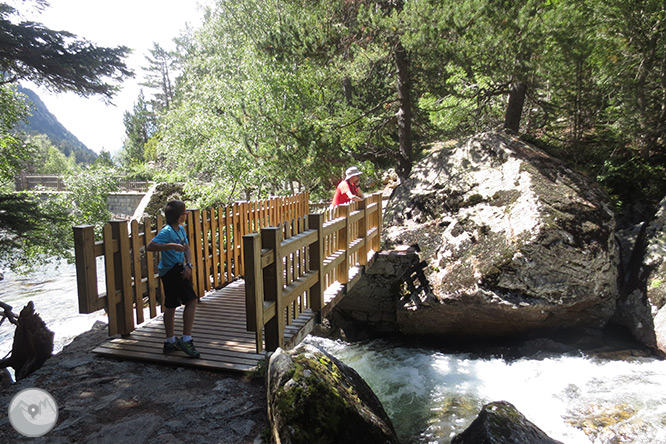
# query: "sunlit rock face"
{"points": [[514, 241]]}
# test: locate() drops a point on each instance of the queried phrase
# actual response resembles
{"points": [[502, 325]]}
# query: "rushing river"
{"points": [[429, 395], [53, 292]]}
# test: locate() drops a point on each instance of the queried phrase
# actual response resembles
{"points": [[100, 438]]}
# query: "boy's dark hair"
{"points": [[172, 211]]}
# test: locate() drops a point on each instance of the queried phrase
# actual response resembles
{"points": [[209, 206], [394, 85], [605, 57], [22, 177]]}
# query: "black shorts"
{"points": [[177, 290]]}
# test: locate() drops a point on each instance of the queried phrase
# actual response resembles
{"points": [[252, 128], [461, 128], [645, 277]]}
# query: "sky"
{"points": [[132, 23]]}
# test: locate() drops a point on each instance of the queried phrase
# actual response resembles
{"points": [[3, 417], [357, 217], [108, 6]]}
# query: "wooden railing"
{"points": [[306, 264], [130, 271]]}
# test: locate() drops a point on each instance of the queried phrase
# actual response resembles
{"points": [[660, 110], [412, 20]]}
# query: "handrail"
{"points": [[130, 271], [306, 265]]}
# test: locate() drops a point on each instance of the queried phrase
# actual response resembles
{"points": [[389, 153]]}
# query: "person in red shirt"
{"points": [[348, 189]]}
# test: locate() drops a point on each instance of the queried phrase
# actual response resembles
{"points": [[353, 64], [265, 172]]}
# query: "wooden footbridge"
{"points": [[265, 273]]}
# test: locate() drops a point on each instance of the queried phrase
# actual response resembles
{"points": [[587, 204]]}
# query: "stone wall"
{"points": [[370, 308], [120, 204], [124, 203]]}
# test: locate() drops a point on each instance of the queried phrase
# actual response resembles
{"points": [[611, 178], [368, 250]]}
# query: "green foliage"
{"points": [[150, 149], [632, 179], [14, 152], [140, 127], [159, 76], [33, 231], [89, 190], [47, 159], [281, 96], [57, 59], [239, 128], [139, 171], [103, 160]]}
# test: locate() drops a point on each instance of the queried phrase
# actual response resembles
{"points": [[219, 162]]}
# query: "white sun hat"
{"points": [[351, 172]]}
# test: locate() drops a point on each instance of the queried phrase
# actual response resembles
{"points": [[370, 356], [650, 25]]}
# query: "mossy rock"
{"points": [[164, 192], [314, 398]]}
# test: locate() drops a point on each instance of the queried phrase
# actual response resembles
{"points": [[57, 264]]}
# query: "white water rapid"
{"points": [[53, 292], [431, 396]]}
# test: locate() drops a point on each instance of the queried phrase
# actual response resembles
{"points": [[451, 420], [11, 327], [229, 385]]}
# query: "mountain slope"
{"points": [[43, 122]]}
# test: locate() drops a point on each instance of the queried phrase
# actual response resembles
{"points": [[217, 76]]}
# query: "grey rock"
{"points": [[642, 303], [313, 397], [501, 423], [515, 242], [136, 430]]}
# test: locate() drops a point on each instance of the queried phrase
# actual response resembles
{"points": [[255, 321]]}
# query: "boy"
{"points": [[175, 270]]}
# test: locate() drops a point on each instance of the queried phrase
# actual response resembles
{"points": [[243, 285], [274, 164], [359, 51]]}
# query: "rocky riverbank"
{"points": [[111, 401]]}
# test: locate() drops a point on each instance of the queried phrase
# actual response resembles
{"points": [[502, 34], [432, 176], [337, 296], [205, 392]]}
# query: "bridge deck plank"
{"points": [[219, 334]]}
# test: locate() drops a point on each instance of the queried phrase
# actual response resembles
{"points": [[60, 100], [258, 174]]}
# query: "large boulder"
{"points": [[501, 423], [642, 303], [515, 241], [314, 398]]}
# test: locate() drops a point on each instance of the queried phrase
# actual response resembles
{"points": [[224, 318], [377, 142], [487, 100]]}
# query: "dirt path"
{"points": [[108, 401]]}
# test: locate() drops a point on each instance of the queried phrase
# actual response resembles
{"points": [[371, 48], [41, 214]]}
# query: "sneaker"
{"points": [[187, 347], [169, 347]]}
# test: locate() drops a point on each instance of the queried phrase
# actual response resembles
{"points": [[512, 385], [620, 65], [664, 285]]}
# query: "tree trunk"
{"points": [[404, 114], [347, 89], [514, 109]]}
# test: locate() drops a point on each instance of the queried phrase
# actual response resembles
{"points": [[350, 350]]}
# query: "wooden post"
{"points": [[159, 224], [254, 288], [196, 247], [264, 215], [316, 256], [377, 240], [150, 269], [214, 248], [363, 231], [255, 209], [271, 238], [236, 230], [343, 244], [272, 209], [304, 299], [287, 269], [205, 235], [244, 229], [86, 268], [110, 275], [136, 271], [221, 221], [123, 279], [229, 241]]}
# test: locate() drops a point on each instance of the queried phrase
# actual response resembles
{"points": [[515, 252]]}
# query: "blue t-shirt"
{"points": [[169, 258]]}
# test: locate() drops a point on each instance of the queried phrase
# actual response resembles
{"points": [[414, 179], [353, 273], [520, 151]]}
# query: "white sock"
{"points": [[170, 340], [186, 338]]}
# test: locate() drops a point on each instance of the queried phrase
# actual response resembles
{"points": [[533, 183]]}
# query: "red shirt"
{"points": [[341, 192]]}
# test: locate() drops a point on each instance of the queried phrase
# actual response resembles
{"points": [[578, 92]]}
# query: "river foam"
{"points": [[432, 396]]}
